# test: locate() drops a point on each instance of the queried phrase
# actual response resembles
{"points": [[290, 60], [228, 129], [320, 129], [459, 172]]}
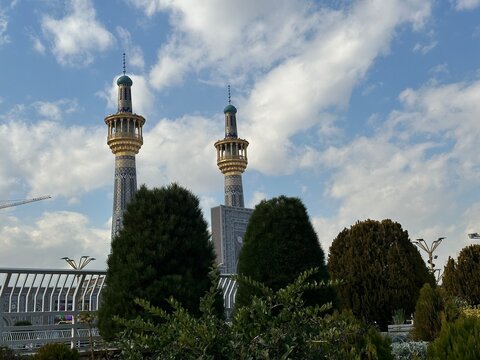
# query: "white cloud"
{"points": [[78, 36], [4, 38], [55, 110], [425, 48], [207, 36], [50, 237], [467, 4], [56, 160], [38, 45]]}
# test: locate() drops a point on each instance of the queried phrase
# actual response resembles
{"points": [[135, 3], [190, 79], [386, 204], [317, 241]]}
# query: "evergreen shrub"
{"points": [[459, 340], [428, 314]]}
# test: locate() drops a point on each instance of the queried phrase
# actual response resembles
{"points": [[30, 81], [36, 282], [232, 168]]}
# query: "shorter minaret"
{"points": [[232, 157], [125, 138]]}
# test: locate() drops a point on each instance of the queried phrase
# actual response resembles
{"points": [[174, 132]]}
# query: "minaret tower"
{"points": [[125, 140], [232, 157]]}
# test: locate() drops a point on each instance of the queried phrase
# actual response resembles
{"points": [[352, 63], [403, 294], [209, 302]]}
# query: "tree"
{"points": [[279, 244], [462, 278], [428, 314], [163, 250], [381, 269]]}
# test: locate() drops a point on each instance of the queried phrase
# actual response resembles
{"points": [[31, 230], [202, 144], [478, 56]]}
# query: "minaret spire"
{"points": [[232, 157], [125, 138]]}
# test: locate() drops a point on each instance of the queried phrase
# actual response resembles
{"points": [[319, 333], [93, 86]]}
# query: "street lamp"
{"points": [[84, 260], [422, 244], [474, 236]]}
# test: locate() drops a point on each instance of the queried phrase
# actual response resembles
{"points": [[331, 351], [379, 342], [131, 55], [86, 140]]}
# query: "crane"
{"points": [[9, 203]]}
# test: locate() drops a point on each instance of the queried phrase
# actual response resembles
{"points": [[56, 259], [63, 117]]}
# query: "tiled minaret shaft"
{"points": [[232, 158], [125, 138]]}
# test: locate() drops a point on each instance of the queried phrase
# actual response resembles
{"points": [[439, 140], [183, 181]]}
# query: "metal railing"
{"points": [[50, 301]]}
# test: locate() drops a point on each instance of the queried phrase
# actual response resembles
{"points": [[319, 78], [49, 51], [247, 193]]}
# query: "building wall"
{"points": [[229, 225]]}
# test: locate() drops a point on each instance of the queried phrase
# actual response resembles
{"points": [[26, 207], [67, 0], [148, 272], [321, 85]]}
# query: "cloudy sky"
{"points": [[363, 109]]}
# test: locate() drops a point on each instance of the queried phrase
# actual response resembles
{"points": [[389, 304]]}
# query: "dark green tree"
{"points": [[381, 269], [429, 312], [462, 278], [163, 250], [449, 281], [279, 244]]}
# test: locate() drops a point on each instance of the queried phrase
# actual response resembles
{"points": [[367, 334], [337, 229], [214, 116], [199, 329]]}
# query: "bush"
{"points": [[457, 341], [277, 325], [410, 350], [56, 351]]}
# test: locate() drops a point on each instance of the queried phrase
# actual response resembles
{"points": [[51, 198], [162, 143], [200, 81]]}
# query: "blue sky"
{"points": [[363, 109]]}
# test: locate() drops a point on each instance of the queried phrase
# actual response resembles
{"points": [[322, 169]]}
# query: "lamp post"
{"points": [[84, 260], [422, 244]]}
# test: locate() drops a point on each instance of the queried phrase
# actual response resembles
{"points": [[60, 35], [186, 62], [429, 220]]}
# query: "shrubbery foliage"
{"points": [[276, 325], [459, 340]]}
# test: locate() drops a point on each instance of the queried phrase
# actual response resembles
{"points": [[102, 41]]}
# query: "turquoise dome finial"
{"points": [[124, 80], [229, 108]]}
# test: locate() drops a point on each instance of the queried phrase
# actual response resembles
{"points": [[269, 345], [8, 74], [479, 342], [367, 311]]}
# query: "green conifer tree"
{"points": [[429, 312], [381, 269], [163, 250], [462, 278], [279, 244]]}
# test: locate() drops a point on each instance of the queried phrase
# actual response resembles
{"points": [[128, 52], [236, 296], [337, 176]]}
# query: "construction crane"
{"points": [[9, 203]]}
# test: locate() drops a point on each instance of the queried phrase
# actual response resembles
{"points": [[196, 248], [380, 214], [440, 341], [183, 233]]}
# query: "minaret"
{"points": [[125, 140], [232, 157]]}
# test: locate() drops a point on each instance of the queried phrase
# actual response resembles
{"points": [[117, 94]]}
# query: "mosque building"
{"points": [[229, 221]]}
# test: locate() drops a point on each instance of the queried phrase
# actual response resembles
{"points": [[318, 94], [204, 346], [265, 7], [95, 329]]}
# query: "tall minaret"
{"points": [[125, 139], [232, 157]]}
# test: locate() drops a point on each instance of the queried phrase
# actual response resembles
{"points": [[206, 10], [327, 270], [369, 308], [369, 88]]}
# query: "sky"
{"points": [[366, 109]]}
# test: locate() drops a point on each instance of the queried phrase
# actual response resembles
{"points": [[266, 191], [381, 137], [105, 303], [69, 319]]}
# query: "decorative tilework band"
{"points": [[234, 191], [124, 189]]}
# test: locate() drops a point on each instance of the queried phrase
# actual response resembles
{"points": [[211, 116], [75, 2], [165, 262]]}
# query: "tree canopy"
{"points": [[461, 278], [163, 250], [279, 244], [381, 269]]}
